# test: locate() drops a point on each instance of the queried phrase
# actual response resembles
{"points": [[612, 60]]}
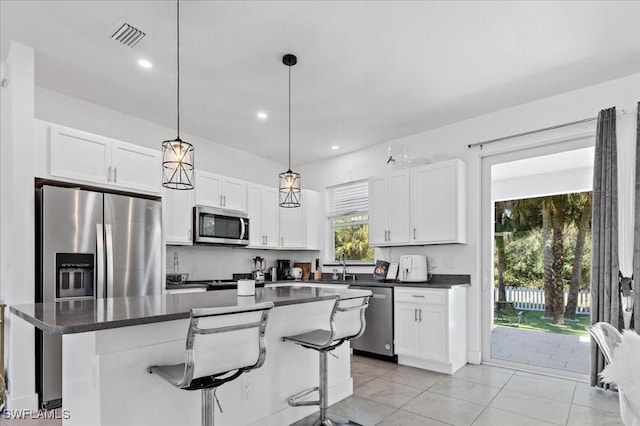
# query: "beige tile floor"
{"points": [[387, 394], [480, 395]]}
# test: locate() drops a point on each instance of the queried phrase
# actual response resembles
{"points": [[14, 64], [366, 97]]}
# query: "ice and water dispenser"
{"points": [[74, 275]]}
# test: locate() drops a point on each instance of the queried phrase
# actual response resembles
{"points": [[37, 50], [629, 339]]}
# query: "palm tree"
{"points": [[558, 210], [503, 224], [547, 258], [580, 214]]}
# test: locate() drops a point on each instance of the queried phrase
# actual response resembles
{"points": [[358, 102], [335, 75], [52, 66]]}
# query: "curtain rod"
{"points": [[544, 129]]}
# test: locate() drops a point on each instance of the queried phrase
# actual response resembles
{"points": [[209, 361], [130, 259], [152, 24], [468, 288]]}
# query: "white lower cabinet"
{"points": [[430, 328]]}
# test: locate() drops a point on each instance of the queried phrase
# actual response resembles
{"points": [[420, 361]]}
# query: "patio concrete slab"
{"points": [[561, 351]]}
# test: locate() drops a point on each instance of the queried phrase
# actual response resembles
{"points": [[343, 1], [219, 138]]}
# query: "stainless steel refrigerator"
{"points": [[91, 245]]}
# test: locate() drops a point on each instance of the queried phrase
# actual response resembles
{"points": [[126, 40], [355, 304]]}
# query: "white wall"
{"points": [[17, 234], [451, 142], [219, 263]]}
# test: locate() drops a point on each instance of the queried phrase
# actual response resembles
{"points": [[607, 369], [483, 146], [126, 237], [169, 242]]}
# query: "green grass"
{"points": [[533, 320]]}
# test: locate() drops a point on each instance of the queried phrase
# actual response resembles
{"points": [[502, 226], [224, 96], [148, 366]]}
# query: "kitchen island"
{"points": [[107, 345]]}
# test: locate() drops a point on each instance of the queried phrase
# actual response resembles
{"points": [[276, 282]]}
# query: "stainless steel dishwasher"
{"points": [[377, 339]]}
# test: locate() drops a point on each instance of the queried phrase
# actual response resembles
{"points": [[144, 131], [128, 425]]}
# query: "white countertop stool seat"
{"points": [[222, 343], [346, 322]]}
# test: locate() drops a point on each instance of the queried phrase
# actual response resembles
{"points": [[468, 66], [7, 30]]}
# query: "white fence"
{"points": [[533, 300]]}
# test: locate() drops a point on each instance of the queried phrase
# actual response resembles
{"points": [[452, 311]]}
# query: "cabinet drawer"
{"points": [[431, 297]]}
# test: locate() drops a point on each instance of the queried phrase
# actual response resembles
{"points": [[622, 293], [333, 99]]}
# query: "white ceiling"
{"points": [[368, 72]]}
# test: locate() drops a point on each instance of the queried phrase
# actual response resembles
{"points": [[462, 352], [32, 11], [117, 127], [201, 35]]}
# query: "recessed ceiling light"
{"points": [[145, 64], [335, 147], [262, 115]]}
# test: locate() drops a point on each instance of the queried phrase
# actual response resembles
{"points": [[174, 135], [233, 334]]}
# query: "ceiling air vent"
{"points": [[126, 34]]}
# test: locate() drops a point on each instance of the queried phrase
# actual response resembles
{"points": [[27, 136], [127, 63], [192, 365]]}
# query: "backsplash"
{"points": [[220, 263]]}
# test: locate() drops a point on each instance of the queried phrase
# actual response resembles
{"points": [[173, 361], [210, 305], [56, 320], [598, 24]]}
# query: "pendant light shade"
{"points": [[177, 155], [290, 190]]}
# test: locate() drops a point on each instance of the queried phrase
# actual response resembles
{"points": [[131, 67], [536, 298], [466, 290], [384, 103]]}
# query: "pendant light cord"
{"points": [[289, 117], [178, 62]]}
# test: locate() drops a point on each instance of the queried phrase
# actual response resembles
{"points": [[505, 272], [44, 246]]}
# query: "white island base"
{"points": [[105, 382]]}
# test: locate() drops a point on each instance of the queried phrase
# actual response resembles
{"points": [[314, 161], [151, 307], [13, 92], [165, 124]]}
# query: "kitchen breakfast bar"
{"points": [[108, 344]]}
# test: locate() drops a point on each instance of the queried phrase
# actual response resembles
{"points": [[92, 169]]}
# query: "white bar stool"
{"points": [[222, 343], [346, 322]]}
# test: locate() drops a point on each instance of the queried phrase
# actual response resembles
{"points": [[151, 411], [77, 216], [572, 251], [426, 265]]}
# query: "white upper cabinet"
{"points": [[378, 211], [220, 191], [399, 207], [177, 212], [75, 154], [80, 155], [424, 205], [315, 219], [389, 209], [135, 167], [438, 203], [262, 206], [291, 226]]}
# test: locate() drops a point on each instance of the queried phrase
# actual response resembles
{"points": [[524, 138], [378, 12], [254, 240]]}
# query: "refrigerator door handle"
{"points": [[99, 261], [109, 254]]}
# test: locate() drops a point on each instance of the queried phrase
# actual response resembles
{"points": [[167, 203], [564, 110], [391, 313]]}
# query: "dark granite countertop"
{"points": [[91, 315], [443, 281]]}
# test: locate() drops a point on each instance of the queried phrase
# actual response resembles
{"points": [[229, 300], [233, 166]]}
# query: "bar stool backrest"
{"points": [[226, 339], [607, 337], [347, 318]]}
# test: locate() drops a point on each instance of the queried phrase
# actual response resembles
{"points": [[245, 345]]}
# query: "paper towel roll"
{"points": [[246, 287]]}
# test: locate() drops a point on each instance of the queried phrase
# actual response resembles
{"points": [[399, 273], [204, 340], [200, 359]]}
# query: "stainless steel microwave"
{"points": [[219, 226]]}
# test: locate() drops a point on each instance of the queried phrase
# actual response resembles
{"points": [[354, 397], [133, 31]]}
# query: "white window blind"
{"points": [[347, 199]]}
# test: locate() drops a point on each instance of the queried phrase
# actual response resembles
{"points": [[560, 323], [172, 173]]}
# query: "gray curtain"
{"points": [[605, 294], [636, 235]]}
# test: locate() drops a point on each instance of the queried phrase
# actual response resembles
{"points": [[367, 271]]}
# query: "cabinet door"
{"points": [[269, 215], [136, 167], [433, 332], [80, 155], [208, 189], [291, 227], [234, 194], [407, 329], [436, 214], [378, 211], [399, 214], [177, 212], [254, 210], [315, 217]]}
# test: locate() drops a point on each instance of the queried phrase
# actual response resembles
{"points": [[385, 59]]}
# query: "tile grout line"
{"points": [[494, 397]]}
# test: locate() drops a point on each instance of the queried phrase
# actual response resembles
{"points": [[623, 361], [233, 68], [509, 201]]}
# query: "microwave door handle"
{"points": [[242, 228], [109, 253], [99, 261]]}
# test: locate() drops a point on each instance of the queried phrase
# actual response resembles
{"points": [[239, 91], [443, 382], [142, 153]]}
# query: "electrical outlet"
{"points": [[431, 262], [169, 264], [447, 262], [246, 389]]}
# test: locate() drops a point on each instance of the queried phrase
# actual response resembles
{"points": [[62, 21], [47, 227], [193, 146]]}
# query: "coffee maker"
{"points": [[283, 269]]}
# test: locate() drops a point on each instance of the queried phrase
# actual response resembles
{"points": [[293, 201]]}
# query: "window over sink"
{"points": [[348, 213]]}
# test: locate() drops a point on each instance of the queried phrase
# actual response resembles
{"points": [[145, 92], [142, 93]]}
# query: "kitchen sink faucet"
{"points": [[345, 275]]}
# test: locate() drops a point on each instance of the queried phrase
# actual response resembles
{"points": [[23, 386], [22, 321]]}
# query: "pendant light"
{"points": [[289, 181], [177, 155]]}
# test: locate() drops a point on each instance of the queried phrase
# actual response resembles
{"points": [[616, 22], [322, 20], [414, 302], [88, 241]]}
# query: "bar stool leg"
{"points": [[207, 407], [324, 419]]}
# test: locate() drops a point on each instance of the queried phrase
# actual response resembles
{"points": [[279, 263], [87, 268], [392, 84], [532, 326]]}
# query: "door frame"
{"points": [[552, 142]]}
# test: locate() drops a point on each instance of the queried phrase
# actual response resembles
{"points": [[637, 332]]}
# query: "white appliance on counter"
{"points": [[413, 268]]}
